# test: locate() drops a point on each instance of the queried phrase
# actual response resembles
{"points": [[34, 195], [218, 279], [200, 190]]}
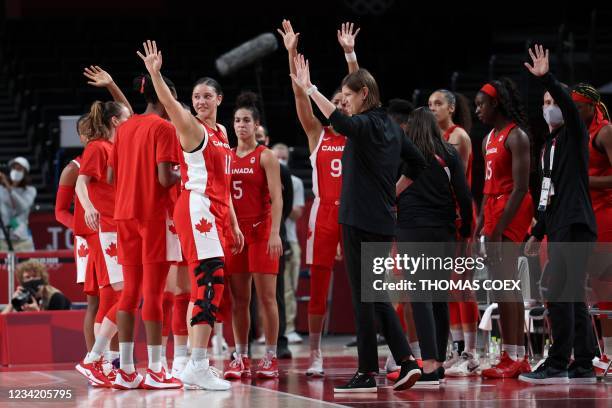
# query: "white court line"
{"points": [[478, 400], [300, 397]]}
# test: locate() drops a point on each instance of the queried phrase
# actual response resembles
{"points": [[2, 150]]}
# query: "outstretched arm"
{"points": [[311, 125], [346, 38], [101, 79], [189, 130]]}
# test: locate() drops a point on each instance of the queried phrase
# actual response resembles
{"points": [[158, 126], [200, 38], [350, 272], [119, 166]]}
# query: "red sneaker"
{"points": [[498, 370], [600, 365], [126, 381], [238, 368], [267, 368], [512, 370], [94, 373], [159, 381]]}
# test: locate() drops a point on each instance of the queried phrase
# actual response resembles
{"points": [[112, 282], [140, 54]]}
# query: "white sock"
{"points": [[520, 352], [180, 351], [155, 353], [608, 346], [126, 357], [511, 349], [198, 354], [270, 350], [111, 355], [457, 335], [416, 349], [97, 350], [242, 349], [314, 339], [470, 342], [218, 329]]}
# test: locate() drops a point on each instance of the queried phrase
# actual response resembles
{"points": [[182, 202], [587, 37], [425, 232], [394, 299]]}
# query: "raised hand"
{"points": [[152, 58], [346, 37], [302, 73], [290, 39], [540, 61], [97, 76]]}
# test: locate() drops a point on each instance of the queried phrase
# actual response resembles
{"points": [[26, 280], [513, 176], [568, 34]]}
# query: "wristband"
{"points": [[311, 90], [350, 57]]}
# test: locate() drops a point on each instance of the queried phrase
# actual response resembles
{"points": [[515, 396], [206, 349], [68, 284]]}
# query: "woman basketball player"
{"points": [[506, 210], [202, 212], [257, 198], [326, 147], [455, 121]]}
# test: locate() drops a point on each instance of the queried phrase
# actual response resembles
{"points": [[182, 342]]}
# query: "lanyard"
{"points": [[551, 157]]}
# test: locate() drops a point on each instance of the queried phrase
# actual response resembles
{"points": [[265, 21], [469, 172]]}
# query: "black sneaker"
{"points": [[351, 343], [441, 372], [283, 353], [545, 374], [359, 383], [428, 378], [410, 372], [581, 375]]}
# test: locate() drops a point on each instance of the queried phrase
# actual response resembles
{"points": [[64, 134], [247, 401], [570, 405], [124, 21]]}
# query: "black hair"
{"points": [[336, 92], [462, 115], [424, 132], [399, 110], [248, 100], [510, 102], [143, 84], [589, 91], [213, 83]]}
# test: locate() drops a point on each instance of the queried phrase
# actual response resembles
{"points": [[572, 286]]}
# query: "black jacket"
{"points": [[571, 202], [374, 150]]}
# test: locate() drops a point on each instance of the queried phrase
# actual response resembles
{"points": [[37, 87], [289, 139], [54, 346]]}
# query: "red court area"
{"points": [[293, 389]]}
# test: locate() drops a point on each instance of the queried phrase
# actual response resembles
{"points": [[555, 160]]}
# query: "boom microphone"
{"points": [[246, 53]]}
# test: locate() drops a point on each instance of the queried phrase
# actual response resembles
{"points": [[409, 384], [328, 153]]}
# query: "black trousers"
{"points": [[280, 301], [367, 314], [431, 318], [570, 321]]}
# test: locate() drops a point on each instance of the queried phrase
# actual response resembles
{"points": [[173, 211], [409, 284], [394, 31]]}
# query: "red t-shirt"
{"points": [[94, 164], [141, 143], [250, 193]]}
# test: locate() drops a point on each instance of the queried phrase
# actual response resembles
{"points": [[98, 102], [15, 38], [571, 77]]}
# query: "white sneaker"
{"points": [[316, 364], [391, 365], [201, 375], [452, 360], [178, 365], [219, 347], [125, 381], [294, 338], [466, 366]]}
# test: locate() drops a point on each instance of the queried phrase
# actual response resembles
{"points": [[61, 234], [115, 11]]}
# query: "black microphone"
{"points": [[246, 53]]}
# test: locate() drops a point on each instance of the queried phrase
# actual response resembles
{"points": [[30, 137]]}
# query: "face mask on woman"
{"points": [[553, 116], [17, 175]]}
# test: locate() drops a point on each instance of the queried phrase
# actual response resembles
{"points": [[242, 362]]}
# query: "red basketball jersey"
{"points": [[498, 163], [468, 171], [250, 193], [599, 166], [207, 170], [326, 161]]}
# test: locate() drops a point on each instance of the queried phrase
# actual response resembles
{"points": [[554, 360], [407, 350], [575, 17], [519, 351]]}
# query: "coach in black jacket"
{"points": [[374, 151]]}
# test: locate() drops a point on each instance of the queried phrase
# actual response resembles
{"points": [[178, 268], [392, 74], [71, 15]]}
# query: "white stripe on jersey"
{"points": [[197, 175], [313, 163], [76, 163], [312, 223]]}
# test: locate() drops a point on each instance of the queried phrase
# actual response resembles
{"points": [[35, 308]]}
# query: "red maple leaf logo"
{"points": [[112, 250], [172, 228], [83, 251], [204, 226]]}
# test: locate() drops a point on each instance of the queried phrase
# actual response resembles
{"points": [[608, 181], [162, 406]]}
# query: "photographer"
{"points": [[34, 292], [16, 199]]}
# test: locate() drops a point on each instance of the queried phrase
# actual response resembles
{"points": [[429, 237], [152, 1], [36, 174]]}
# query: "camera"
{"points": [[25, 295]]}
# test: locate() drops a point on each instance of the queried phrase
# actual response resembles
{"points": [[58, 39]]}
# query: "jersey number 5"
{"points": [[489, 171], [237, 187], [336, 168]]}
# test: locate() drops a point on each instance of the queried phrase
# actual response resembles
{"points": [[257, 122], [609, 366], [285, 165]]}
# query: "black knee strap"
{"points": [[208, 313], [207, 268]]}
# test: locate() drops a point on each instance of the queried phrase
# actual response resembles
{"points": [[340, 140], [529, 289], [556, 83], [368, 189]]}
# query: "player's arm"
{"points": [[270, 164], [189, 130], [311, 125], [92, 215], [604, 143], [462, 143], [346, 38], [102, 79], [65, 195]]}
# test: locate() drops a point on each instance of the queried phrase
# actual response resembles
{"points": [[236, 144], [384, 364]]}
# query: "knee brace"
{"points": [[206, 280]]}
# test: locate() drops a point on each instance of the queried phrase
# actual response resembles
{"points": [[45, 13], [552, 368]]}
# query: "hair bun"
{"points": [[247, 99]]}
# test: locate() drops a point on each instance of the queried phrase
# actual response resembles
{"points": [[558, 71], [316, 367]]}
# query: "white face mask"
{"points": [[553, 116], [16, 175]]}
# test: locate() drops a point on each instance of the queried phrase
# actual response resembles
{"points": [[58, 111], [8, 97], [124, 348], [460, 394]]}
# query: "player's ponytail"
{"points": [[97, 124]]}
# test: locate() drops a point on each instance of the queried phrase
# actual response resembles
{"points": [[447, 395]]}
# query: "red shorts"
{"points": [[254, 257], [603, 218], [200, 226], [105, 270], [323, 234], [142, 242], [518, 227]]}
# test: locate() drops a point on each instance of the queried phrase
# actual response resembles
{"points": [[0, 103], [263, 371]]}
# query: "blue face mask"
{"points": [[553, 116]]}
